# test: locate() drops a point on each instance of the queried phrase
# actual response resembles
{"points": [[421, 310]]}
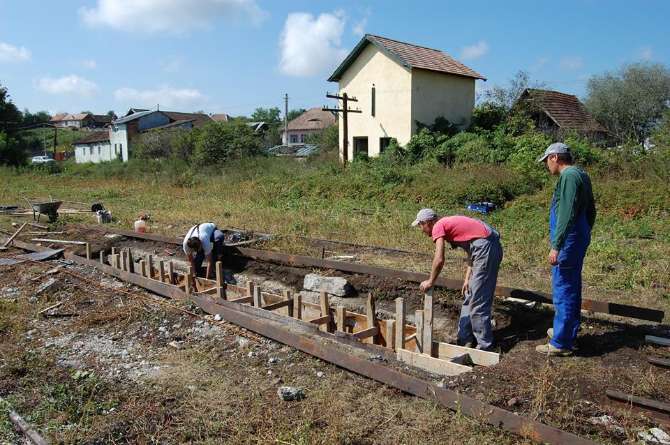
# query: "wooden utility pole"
{"points": [[345, 121], [285, 141]]}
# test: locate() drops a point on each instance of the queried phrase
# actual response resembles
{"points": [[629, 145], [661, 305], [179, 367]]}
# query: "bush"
{"points": [[218, 142], [11, 150], [487, 116], [527, 148], [467, 148]]}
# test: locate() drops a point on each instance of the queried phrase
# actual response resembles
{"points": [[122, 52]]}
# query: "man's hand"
{"points": [[425, 285], [465, 288], [553, 257]]}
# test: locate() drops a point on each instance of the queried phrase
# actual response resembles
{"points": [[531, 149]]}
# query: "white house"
{"points": [[397, 84], [95, 148]]}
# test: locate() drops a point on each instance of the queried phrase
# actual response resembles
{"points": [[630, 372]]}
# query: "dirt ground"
{"points": [[114, 364]]}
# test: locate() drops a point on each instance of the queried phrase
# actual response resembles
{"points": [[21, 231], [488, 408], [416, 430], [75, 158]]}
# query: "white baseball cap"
{"points": [[424, 215], [554, 149]]}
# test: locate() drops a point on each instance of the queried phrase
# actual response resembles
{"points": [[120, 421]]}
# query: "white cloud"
{"points": [[359, 27], [646, 53], [11, 53], [311, 45], [89, 63], [475, 51], [165, 96], [167, 15], [571, 63], [72, 84]]}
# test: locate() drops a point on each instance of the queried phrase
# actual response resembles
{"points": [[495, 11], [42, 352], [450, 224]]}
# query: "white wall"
{"points": [[393, 100], [118, 138], [435, 94], [96, 152]]}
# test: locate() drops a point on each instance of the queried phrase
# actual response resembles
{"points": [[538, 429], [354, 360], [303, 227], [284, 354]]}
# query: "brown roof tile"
{"points": [[94, 136], [566, 110], [312, 119], [410, 56], [199, 119]]}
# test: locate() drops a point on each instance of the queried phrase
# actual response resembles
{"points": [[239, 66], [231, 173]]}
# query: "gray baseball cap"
{"points": [[424, 215], [554, 149]]}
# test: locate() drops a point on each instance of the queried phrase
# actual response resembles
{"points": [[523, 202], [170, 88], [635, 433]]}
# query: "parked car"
{"points": [[41, 160]]}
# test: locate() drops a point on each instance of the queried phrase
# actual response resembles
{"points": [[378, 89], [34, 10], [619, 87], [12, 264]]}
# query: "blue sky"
{"points": [[235, 55]]}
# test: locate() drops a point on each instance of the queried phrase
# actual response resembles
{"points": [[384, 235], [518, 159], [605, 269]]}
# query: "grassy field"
{"points": [[628, 260]]}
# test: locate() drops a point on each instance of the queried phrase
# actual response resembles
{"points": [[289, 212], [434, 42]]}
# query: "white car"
{"points": [[41, 160]]}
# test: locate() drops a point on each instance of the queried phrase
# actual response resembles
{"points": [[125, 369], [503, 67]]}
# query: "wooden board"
{"points": [[478, 357], [660, 341], [431, 364]]}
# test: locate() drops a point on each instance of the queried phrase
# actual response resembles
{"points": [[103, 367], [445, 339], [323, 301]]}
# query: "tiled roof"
{"points": [[199, 119], [94, 136], [133, 116], [566, 110], [410, 56], [58, 117], [220, 117], [312, 119]]}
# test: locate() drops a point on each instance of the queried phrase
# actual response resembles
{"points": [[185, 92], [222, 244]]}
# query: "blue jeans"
{"points": [[566, 281], [475, 320]]}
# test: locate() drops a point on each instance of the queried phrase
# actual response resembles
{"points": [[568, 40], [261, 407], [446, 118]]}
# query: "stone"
{"points": [[337, 286], [290, 393], [242, 342], [218, 317], [655, 436], [176, 344], [320, 374], [608, 422], [512, 402], [273, 360], [49, 285]]}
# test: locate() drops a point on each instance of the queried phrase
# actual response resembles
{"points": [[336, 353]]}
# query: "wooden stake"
{"points": [[427, 341], [11, 238], [161, 271], [150, 266], [399, 324], [102, 257], [117, 261], [325, 311], [187, 283], [288, 296], [143, 268], [370, 312], [131, 262], [258, 299], [339, 318], [113, 251], [390, 334], [418, 321], [220, 282], [171, 277], [250, 290], [297, 306], [88, 251]]}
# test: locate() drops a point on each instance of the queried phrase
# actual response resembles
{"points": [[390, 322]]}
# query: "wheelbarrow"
{"points": [[45, 208]]}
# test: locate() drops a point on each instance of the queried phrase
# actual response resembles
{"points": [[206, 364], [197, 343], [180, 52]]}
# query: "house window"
{"points": [[302, 137], [360, 147], [294, 139], [99, 150], [372, 101], [383, 144], [90, 151]]}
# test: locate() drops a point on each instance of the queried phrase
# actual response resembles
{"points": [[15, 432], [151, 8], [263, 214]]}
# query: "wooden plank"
{"points": [[278, 305], [102, 257], [366, 333], [117, 261], [418, 321], [188, 280], [325, 311], [258, 298], [242, 300], [171, 276], [11, 238], [220, 282], [399, 323], [297, 306], [131, 262], [659, 341], [427, 322], [161, 271], [431, 364], [150, 266], [267, 324], [88, 251], [390, 334], [58, 241], [26, 429], [320, 320], [143, 268], [124, 260], [658, 361], [477, 356], [653, 405], [370, 313], [339, 318], [288, 295]]}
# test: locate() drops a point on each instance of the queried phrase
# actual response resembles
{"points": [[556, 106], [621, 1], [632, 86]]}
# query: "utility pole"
{"points": [[285, 119], [345, 110]]}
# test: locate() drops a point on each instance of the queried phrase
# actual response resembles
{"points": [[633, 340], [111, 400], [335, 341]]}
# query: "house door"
{"points": [[360, 147]]}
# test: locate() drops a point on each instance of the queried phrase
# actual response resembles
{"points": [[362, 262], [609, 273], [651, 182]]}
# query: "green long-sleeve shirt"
{"points": [[573, 195]]}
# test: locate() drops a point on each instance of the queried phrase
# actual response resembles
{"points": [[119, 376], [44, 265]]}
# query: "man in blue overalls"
{"points": [[571, 218]]}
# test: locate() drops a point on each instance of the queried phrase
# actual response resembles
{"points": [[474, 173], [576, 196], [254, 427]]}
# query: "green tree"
{"points": [[11, 148], [218, 142], [631, 101], [111, 114], [269, 115], [295, 113], [10, 116], [504, 96]]}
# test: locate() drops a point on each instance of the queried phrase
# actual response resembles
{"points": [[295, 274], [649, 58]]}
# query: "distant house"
{"points": [[220, 117], [312, 121], [95, 147], [81, 120], [396, 85], [557, 113], [124, 130]]}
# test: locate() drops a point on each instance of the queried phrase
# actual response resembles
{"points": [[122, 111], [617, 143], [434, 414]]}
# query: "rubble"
{"points": [[337, 286], [654, 436], [289, 393]]}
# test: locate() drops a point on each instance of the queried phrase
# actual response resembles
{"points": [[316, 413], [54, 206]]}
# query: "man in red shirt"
{"points": [[482, 245]]}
